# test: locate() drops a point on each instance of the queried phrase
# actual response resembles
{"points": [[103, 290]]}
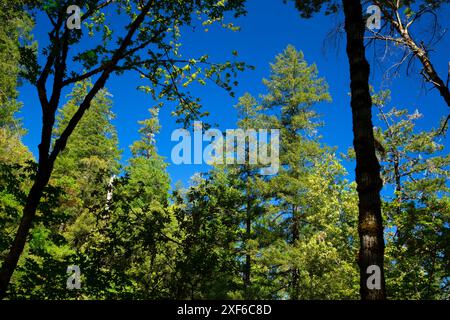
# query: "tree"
{"points": [[149, 44], [367, 169], [251, 210], [133, 241], [85, 168], [15, 32], [297, 223], [367, 166], [417, 212], [306, 217]]}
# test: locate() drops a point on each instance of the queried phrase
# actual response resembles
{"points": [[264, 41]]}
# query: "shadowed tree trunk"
{"points": [[18, 245], [367, 171], [368, 179]]}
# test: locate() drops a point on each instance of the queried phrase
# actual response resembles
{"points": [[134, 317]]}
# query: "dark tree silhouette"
{"points": [[368, 178]]}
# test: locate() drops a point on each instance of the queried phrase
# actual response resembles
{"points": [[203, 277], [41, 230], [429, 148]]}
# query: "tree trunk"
{"points": [[45, 167], [368, 179], [57, 60], [29, 211]]}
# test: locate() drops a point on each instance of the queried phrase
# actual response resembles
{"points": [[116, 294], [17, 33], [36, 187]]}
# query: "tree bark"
{"points": [[368, 178]]}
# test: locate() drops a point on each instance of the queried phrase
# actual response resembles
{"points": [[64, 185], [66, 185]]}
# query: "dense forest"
{"points": [[310, 230]]}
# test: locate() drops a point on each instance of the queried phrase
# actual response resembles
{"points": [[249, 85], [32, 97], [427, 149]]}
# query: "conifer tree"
{"points": [[416, 167], [295, 211], [135, 239], [77, 197]]}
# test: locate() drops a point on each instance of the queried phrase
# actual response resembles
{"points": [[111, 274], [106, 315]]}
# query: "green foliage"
{"points": [[78, 190], [208, 219], [284, 236], [233, 233], [153, 52], [304, 201], [417, 211], [14, 35], [133, 235], [16, 165]]}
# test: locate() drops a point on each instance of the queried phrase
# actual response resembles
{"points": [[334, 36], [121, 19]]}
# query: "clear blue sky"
{"points": [[267, 29]]}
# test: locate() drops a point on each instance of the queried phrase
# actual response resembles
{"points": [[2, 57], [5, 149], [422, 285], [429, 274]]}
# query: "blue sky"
{"points": [[267, 29]]}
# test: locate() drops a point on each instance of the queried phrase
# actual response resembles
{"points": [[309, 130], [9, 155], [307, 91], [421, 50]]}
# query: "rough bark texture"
{"points": [[368, 179]]}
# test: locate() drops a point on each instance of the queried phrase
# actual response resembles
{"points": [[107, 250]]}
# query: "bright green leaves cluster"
{"points": [[176, 73]]}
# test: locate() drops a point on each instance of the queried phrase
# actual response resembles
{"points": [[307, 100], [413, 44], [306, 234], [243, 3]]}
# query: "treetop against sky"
{"points": [[266, 30]]}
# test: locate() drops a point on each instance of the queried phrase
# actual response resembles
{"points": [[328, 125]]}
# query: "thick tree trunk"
{"points": [[367, 170]]}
